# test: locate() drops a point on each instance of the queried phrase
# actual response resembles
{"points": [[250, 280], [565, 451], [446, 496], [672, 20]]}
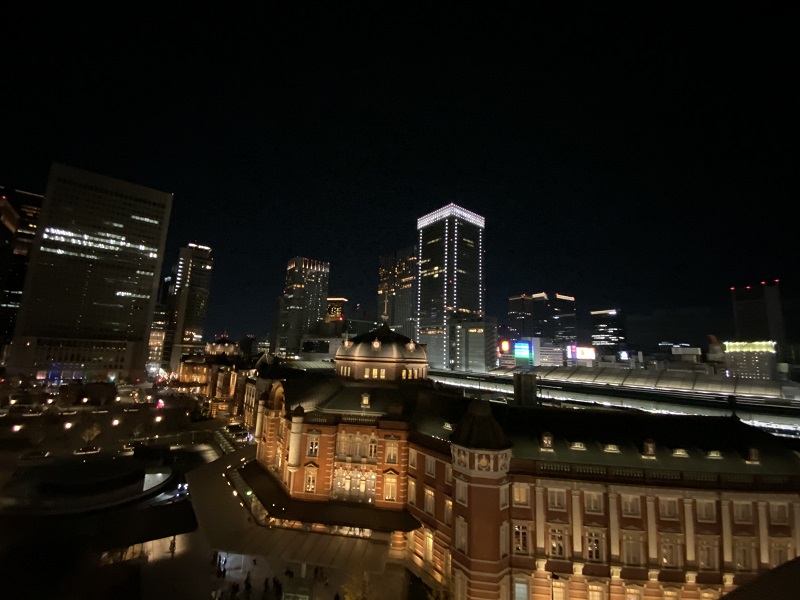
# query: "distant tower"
{"points": [[19, 213], [608, 330], [92, 279], [758, 314], [450, 281], [303, 304], [188, 304], [544, 315], [397, 290], [563, 329], [335, 310]]}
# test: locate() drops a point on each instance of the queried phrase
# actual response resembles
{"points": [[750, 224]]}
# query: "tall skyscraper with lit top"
{"points": [[303, 304], [450, 282], [92, 279], [188, 304]]}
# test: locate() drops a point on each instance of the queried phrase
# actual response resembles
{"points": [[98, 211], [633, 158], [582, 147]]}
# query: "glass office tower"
{"points": [[450, 281], [92, 279]]}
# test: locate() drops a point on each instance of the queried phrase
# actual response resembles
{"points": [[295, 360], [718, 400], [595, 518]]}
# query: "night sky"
{"points": [[643, 157]]}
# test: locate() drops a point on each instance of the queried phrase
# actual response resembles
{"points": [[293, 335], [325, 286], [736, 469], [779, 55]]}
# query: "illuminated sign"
{"points": [[505, 346], [522, 350], [585, 353]]}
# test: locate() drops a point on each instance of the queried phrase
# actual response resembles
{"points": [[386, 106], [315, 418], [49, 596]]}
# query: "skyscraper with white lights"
{"points": [[92, 279], [450, 282], [188, 304], [303, 304]]}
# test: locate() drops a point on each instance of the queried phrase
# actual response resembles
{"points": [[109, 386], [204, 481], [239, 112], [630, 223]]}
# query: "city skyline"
{"points": [[638, 174]]}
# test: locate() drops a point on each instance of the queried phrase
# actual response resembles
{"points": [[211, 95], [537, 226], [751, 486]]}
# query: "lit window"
{"points": [[383, 373], [311, 481], [448, 473], [558, 542], [448, 512], [577, 446], [313, 445], [412, 458], [412, 492], [391, 453], [366, 373], [429, 501], [521, 494], [390, 488], [595, 545], [521, 538], [671, 551]]}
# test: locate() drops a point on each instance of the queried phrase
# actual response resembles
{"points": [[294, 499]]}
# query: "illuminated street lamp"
{"points": [[158, 419], [67, 425], [16, 428], [114, 424]]}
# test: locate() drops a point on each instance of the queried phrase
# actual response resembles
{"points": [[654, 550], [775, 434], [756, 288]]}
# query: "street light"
{"points": [[114, 424], [67, 425]]}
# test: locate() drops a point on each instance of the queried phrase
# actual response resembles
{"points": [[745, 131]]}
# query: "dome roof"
{"points": [[479, 429], [384, 345]]}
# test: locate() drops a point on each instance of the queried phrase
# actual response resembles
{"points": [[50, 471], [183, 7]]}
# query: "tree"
{"points": [[357, 586], [91, 432]]}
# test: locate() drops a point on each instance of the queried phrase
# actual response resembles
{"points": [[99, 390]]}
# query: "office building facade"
{"points": [[397, 290], [188, 304], [450, 281], [608, 330], [493, 501], [543, 315], [20, 216], [758, 313], [303, 304], [92, 279]]}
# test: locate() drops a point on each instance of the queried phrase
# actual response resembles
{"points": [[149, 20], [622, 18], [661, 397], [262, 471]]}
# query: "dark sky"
{"points": [[643, 156]]}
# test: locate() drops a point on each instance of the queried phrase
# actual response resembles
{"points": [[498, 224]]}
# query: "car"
{"points": [[88, 450]]}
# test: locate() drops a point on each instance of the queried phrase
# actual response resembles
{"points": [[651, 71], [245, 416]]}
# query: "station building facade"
{"points": [[512, 503]]}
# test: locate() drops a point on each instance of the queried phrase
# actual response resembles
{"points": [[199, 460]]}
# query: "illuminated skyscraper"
{"points": [[397, 290], [187, 304], [450, 283], [608, 330], [303, 304], [92, 279], [758, 313], [543, 315], [19, 215]]}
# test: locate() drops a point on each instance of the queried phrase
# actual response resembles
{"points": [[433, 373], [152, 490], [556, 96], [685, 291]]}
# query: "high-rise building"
{"points": [[543, 315], [608, 330], [397, 290], [20, 216], [758, 313], [450, 282], [335, 309], [187, 304], [92, 279], [303, 304], [473, 343], [562, 325]]}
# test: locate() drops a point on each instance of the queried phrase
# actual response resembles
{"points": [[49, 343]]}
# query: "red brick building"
{"points": [[505, 502]]}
